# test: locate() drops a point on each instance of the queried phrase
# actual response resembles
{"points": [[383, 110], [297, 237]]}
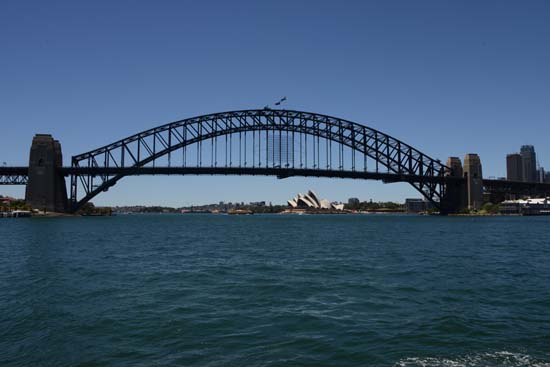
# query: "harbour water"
{"points": [[274, 290]]}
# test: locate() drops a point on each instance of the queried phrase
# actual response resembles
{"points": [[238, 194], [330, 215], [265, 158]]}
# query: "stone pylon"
{"points": [[455, 197], [46, 188], [474, 181]]}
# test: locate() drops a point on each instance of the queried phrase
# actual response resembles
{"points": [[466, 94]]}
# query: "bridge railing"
{"points": [[13, 175]]}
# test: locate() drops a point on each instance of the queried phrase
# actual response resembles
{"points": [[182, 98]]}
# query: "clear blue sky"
{"points": [[448, 77]]}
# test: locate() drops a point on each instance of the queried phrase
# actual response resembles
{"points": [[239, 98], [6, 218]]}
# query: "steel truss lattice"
{"points": [[336, 146], [13, 179]]}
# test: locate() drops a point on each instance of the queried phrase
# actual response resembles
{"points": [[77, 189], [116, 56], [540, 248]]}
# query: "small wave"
{"points": [[503, 358]]}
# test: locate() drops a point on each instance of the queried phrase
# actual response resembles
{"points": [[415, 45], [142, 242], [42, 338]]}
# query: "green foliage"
{"points": [[490, 208], [465, 211], [91, 209], [266, 208], [14, 205], [432, 211], [158, 209], [370, 205]]}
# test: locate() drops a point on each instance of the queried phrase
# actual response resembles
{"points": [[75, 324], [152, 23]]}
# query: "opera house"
{"points": [[312, 201]]}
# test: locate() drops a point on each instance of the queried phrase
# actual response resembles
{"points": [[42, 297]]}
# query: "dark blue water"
{"points": [[272, 290]]}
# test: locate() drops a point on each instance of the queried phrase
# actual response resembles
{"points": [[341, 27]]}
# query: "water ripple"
{"points": [[275, 290]]}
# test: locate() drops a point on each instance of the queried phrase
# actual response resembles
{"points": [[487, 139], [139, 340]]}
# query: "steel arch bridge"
{"points": [[265, 141]]}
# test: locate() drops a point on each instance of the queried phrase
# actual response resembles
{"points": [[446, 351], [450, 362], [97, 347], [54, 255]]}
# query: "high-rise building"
{"points": [[353, 202], [514, 167], [547, 177], [529, 163], [540, 175]]}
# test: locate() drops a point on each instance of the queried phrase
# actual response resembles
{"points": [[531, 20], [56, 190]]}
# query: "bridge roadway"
{"points": [[14, 175], [18, 175], [242, 171]]}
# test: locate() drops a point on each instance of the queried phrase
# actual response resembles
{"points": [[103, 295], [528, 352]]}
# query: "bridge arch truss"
{"points": [[258, 142]]}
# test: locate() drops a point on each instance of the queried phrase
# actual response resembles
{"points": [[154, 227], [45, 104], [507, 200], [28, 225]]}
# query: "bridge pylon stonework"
{"points": [[474, 181], [463, 185], [46, 189]]}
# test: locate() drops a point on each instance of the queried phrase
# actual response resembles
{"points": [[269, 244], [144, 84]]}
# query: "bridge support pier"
{"points": [[46, 188], [454, 199], [463, 185], [474, 181], [456, 190]]}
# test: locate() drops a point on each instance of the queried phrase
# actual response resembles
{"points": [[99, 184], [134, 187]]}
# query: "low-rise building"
{"points": [[257, 203], [417, 205], [414, 205], [539, 206]]}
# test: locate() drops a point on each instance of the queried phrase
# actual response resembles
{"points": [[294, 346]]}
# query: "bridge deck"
{"points": [[242, 171], [250, 171], [13, 175], [18, 175]]}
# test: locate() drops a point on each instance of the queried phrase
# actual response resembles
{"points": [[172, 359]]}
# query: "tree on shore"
{"points": [[14, 205], [90, 209]]}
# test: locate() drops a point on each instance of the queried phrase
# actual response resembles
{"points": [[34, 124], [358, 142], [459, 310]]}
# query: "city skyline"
{"points": [[92, 86], [524, 166]]}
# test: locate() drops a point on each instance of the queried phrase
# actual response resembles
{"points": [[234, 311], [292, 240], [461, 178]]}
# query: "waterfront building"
{"points": [[541, 173], [312, 201], [540, 206], [16, 214], [547, 177], [257, 203], [529, 163], [514, 167], [415, 205]]}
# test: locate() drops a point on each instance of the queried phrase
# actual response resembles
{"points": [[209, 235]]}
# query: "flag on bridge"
{"points": [[280, 101]]}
